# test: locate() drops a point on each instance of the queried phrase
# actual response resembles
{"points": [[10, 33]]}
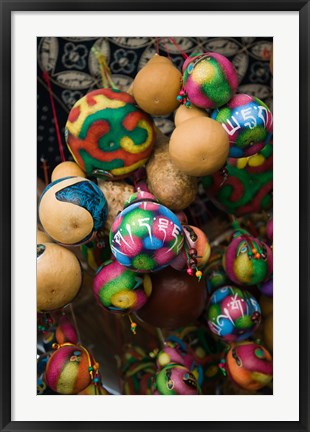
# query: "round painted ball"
{"points": [[106, 131], [67, 371], [176, 299], [67, 169], [65, 331], [175, 380], [247, 261], [208, 149], [209, 79], [59, 276], [118, 289], [72, 210], [146, 236], [248, 124], [249, 365], [233, 314]]}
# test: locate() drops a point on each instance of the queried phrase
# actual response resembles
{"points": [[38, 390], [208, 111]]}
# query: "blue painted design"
{"points": [[227, 327], [252, 111], [170, 215], [220, 294], [129, 209], [152, 244], [87, 195], [235, 152], [52, 184], [214, 114], [122, 259], [190, 68]]}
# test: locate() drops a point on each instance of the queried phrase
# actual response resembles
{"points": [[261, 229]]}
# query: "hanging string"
{"points": [[104, 69], [45, 170], [185, 56], [166, 49], [75, 322], [160, 337], [233, 220], [48, 82], [139, 179], [104, 79]]}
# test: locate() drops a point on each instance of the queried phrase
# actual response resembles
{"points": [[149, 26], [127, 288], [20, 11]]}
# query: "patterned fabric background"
{"points": [[73, 71]]}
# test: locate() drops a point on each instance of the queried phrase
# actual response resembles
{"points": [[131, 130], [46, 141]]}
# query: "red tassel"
{"points": [[48, 82]]}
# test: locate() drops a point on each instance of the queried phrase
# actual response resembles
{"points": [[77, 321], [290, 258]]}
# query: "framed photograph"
{"points": [[52, 54]]}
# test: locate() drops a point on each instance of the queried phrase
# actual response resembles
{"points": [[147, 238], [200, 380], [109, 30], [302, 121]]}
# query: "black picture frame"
{"points": [[6, 9]]}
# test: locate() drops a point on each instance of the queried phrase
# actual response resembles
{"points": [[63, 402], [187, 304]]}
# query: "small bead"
{"points": [[254, 251], [257, 256], [192, 261], [179, 98], [193, 266], [192, 252], [96, 380], [198, 273], [190, 272], [90, 369]]}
